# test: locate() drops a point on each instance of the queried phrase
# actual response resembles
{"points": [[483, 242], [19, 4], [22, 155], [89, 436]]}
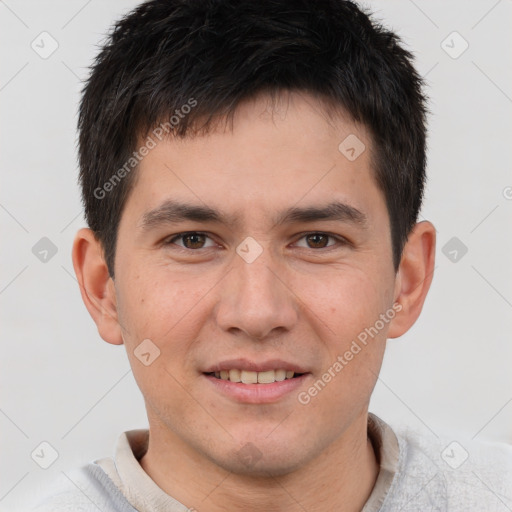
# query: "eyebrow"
{"points": [[333, 211], [171, 211]]}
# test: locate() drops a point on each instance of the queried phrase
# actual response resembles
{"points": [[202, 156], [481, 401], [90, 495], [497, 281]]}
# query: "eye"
{"points": [[318, 240], [191, 240]]}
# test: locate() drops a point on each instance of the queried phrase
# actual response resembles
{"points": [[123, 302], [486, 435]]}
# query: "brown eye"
{"points": [[193, 240], [317, 240], [320, 240]]}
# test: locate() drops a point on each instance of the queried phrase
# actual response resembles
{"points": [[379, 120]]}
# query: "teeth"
{"points": [[266, 377], [280, 375], [247, 377], [234, 376]]}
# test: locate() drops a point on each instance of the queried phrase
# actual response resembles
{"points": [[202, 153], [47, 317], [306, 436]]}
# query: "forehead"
{"points": [[273, 155]]}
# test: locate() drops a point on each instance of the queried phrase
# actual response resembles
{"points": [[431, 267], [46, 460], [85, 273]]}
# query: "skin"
{"points": [[298, 301]]}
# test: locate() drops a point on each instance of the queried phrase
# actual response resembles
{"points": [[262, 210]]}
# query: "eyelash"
{"points": [[340, 240]]}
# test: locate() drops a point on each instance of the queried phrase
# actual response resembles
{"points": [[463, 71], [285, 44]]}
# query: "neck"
{"points": [[340, 478]]}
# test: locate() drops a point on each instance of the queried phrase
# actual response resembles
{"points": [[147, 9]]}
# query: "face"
{"points": [[257, 253]]}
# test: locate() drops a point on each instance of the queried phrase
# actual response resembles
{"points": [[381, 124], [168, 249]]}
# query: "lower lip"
{"points": [[257, 393]]}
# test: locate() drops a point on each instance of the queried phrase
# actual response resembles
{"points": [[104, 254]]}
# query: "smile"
{"points": [[251, 377]]}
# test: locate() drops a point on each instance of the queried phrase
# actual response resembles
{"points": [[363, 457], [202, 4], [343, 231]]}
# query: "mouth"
{"points": [[250, 382], [253, 377]]}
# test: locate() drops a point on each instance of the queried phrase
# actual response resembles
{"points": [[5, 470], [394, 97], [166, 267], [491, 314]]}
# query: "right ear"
{"points": [[96, 285]]}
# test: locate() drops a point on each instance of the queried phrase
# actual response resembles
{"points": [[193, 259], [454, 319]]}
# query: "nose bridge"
{"points": [[257, 284], [256, 300]]}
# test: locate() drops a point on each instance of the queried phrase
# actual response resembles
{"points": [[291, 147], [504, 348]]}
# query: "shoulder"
{"points": [[86, 489], [453, 473]]}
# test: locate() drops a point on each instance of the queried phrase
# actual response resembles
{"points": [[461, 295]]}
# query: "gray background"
{"points": [[62, 384]]}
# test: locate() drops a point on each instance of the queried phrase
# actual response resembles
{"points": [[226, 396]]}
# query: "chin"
{"points": [[263, 457], [256, 464]]}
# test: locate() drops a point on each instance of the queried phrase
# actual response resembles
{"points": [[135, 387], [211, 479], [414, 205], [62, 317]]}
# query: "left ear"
{"points": [[414, 277]]}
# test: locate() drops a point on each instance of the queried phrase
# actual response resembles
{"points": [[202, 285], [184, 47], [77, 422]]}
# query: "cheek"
{"points": [[345, 304], [154, 301], [345, 314], [167, 309], [356, 338]]}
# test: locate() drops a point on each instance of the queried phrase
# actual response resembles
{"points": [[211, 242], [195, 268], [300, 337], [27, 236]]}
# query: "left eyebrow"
{"points": [[333, 211]]}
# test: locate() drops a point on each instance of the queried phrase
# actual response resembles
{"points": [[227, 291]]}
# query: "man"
{"points": [[252, 174]]}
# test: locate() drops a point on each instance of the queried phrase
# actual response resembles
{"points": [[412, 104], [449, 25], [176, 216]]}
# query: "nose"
{"points": [[256, 299]]}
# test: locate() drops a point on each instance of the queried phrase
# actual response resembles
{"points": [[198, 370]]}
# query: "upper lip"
{"points": [[253, 366]]}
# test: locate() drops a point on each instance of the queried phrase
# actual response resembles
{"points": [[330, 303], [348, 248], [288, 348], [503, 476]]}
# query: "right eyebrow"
{"points": [[174, 211]]}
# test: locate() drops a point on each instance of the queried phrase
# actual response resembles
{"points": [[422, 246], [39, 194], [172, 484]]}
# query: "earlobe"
{"points": [[414, 277], [96, 285]]}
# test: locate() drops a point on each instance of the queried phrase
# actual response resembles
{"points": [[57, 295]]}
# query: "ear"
{"points": [[414, 277], [96, 285]]}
